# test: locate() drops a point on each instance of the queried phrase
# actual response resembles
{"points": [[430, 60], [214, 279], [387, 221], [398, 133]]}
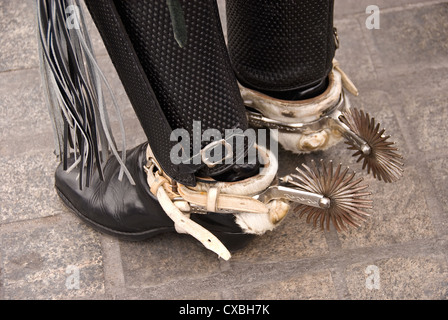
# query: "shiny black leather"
{"points": [[130, 211]]}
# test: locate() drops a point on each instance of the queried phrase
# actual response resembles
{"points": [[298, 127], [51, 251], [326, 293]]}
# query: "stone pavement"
{"points": [[400, 253]]}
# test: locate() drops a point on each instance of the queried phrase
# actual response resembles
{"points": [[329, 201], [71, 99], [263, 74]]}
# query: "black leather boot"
{"points": [[130, 211]]}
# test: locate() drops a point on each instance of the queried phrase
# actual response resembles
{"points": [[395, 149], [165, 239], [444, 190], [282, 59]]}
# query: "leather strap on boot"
{"points": [[236, 198]]}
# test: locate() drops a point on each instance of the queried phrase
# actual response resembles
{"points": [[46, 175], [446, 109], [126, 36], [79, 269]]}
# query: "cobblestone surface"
{"points": [[399, 253]]}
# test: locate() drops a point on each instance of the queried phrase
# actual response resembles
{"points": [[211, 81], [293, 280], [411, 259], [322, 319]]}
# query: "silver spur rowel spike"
{"points": [[344, 201], [372, 146]]}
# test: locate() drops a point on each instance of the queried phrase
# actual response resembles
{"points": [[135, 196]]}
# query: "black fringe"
{"points": [[73, 82]]}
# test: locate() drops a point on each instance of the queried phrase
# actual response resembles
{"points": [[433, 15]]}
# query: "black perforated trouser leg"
{"points": [[281, 46], [170, 86]]}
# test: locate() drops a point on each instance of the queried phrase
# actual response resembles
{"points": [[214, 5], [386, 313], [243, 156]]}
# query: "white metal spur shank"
{"points": [[304, 125]]}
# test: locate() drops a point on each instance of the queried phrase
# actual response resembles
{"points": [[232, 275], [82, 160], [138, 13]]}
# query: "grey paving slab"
{"points": [[423, 108], [400, 214], [432, 117], [164, 259], [176, 290], [343, 8], [438, 178], [57, 258], [291, 240], [400, 278], [310, 286], [415, 38], [27, 186], [23, 111], [18, 36], [239, 280]]}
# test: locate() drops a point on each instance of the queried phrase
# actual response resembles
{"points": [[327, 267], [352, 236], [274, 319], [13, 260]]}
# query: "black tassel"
{"points": [[73, 81]]}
